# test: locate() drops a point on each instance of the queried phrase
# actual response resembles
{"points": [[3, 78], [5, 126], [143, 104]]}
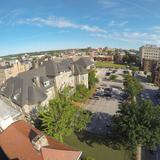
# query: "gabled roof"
{"points": [[35, 95], [79, 70], [49, 153], [51, 68], [54, 68], [67, 62], [22, 90], [16, 142], [84, 61]]}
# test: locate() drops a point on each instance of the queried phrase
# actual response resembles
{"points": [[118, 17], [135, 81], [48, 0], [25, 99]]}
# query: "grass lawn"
{"points": [[110, 64], [96, 150], [134, 68]]}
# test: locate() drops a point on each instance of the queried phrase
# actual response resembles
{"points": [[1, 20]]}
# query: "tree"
{"points": [[149, 78], [126, 58], [132, 86], [129, 58], [137, 125], [60, 118], [81, 93], [113, 77], [92, 78], [118, 58]]}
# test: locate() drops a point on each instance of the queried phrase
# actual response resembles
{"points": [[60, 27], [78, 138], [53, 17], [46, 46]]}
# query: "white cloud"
{"points": [[91, 28], [156, 28], [10, 16], [127, 8], [132, 37], [51, 21], [108, 3], [117, 24], [60, 23]]}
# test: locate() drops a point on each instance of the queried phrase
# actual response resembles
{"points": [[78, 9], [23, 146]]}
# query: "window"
{"points": [[46, 83], [17, 93]]}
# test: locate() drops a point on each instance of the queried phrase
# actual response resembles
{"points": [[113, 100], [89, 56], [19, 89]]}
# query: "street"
{"points": [[149, 90]]}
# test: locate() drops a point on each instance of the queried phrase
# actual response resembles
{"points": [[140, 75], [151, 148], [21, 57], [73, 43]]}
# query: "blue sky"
{"points": [[35, 25]]}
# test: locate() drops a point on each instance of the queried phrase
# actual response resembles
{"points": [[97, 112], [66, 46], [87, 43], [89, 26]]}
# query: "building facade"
{"points": [[149, 54], [148, 65], [11, 70], [156, 74], [36, 87]]}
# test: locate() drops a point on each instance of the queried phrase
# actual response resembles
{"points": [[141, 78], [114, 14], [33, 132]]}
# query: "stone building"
{"points": [[11, 70], [37, 86]]}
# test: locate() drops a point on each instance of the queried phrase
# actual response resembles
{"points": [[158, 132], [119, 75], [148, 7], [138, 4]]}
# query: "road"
{"points": [[149, 90]]}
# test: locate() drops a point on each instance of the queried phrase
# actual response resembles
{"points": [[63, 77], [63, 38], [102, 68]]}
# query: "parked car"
{"points": [[96, 97], [114, 71], [107, 89], [124, 95], [98, 94], [108, 73], [108, 94]]}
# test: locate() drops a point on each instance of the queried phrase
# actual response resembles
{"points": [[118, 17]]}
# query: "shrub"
{"points": [[113, 77], [81, 93]]}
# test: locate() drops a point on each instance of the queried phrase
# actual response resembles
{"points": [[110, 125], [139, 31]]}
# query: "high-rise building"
{"points": [[149, 54]]}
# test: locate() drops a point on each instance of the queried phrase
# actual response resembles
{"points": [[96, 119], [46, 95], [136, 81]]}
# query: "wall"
{"points": [[64, 79], [2, 76], [82, 79]]}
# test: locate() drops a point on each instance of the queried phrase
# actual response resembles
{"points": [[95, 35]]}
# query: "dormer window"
{"points": [[17, 93], [40, 141], [3, 87], [46, 83], [36, 81]]}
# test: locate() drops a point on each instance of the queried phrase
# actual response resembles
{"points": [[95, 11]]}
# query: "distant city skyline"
{"points": [[39, 25]]}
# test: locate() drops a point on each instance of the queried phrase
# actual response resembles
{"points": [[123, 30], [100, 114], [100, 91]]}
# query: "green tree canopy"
{"points": [[132, 86], [113, 77], [81, 93], [92, 78], [137, 125], [60, 118]]}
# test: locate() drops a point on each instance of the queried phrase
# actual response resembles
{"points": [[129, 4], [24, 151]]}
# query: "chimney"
{"points": [[35, 63], [72, 68], [37, 81], [40, 141]]}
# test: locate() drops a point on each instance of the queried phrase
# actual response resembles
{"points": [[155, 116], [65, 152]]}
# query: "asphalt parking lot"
{"points": [[105, 104]]}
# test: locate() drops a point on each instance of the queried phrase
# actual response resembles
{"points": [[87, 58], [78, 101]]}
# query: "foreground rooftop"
{"points": [[21, 141]]}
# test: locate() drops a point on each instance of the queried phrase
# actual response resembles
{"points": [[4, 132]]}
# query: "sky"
{"points": [[36, 25]]}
